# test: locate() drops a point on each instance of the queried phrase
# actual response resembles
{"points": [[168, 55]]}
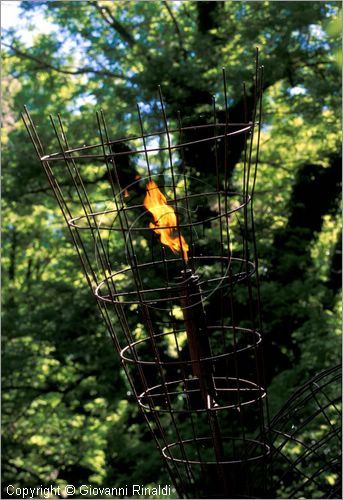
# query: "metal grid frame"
{"points": [[205, 401]]}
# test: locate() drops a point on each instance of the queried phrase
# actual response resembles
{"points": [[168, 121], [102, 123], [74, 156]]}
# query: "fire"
{"points": [[164, 215]]}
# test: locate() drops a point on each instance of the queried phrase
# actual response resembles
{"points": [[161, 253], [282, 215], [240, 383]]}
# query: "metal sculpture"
{"points": [[306, 439], [184, 312]]}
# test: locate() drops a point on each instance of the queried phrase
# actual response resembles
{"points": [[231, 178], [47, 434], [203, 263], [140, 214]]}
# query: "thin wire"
{"points": [[150, 381]]}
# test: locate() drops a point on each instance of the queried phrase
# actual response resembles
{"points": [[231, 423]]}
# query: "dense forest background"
{"points": [[67, 412]]}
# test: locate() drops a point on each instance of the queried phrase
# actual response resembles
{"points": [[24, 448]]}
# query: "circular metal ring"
{"points": [[173, 393], [91, 217], [132, 348], [171, 292], [244, 128], [166, 451]]}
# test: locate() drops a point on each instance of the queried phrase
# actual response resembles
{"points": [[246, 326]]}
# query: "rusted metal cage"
{"points": [[171, 259], [306, 440]]}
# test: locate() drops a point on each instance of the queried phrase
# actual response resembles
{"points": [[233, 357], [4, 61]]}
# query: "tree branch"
{"points": [[177, 29], [20, 468], [53, 387], [47, 189], [107, 16], [78, 71]]}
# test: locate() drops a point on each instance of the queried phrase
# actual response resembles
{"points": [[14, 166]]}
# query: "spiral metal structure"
{"points": [[184, 320]]}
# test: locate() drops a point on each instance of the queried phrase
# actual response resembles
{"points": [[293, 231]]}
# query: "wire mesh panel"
{"points": [[306, 440], [171, 259]]}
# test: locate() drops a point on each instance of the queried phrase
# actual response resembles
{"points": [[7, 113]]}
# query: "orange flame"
{"points": [[164, 215]]}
